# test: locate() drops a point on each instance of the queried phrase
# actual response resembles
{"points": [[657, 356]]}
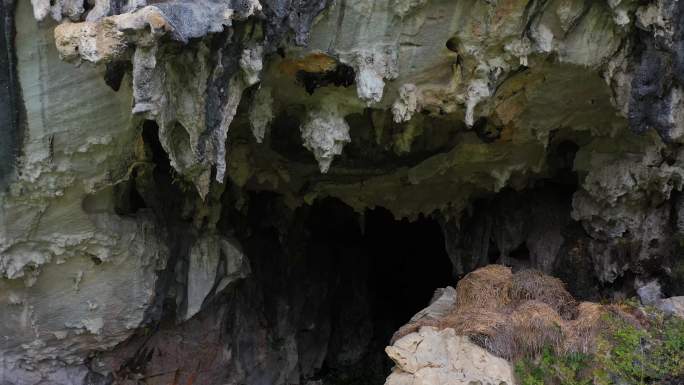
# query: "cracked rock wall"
{"points": [[138, 138]]}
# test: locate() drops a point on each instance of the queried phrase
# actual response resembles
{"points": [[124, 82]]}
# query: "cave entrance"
{"points": [[408, 262], [386, 271]]}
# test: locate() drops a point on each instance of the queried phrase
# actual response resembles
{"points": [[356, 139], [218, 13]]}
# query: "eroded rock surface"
{"points": [[433, 356], [162, 164]]}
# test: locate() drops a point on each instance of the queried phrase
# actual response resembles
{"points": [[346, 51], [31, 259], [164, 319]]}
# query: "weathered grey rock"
{"points": [[406, 105], [261, 113], [187, 130], [325, 133], [442, 303], [520, 230], [672, 306], [74, 276], [214, 263], [621, 199], [440, 357], [62, 8], [650, 293], [655, 101], [11, 104]]}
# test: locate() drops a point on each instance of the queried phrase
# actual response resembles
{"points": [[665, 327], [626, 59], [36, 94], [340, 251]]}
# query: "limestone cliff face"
{"points": [[212, 191]]}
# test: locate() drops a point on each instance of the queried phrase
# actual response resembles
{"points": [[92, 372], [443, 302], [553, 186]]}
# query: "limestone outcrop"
{"points": [[433, 356], [193, 185], [441, 357]]}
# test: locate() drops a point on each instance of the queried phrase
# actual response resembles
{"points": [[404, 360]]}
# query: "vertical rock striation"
{"points": [[10, 100]]}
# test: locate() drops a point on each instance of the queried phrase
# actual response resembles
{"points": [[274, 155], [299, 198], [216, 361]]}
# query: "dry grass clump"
{"points": [[536, 325], [629, 314], [474, 321], [519, 315], [486, 327], [489, 286], [469, 322], [535, 285], [581, 332]]}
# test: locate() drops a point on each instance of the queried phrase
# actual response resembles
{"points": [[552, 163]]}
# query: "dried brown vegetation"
{"points": [[580, 333], [488, 287], [518, 315], [536, 325], [535, 285]]}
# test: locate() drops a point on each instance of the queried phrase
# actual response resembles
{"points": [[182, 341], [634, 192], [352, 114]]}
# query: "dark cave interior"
{"points": [[405, 262], [355, 280]]}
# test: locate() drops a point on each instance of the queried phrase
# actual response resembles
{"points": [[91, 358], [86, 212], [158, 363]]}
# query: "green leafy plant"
{"points": [[640, 356], [621, 353], [667, 357], [550, 368]]}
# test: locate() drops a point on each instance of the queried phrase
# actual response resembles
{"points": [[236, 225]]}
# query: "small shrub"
{"points": [[621, 353], [550, 368], [641, 356], [668, 355]]}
